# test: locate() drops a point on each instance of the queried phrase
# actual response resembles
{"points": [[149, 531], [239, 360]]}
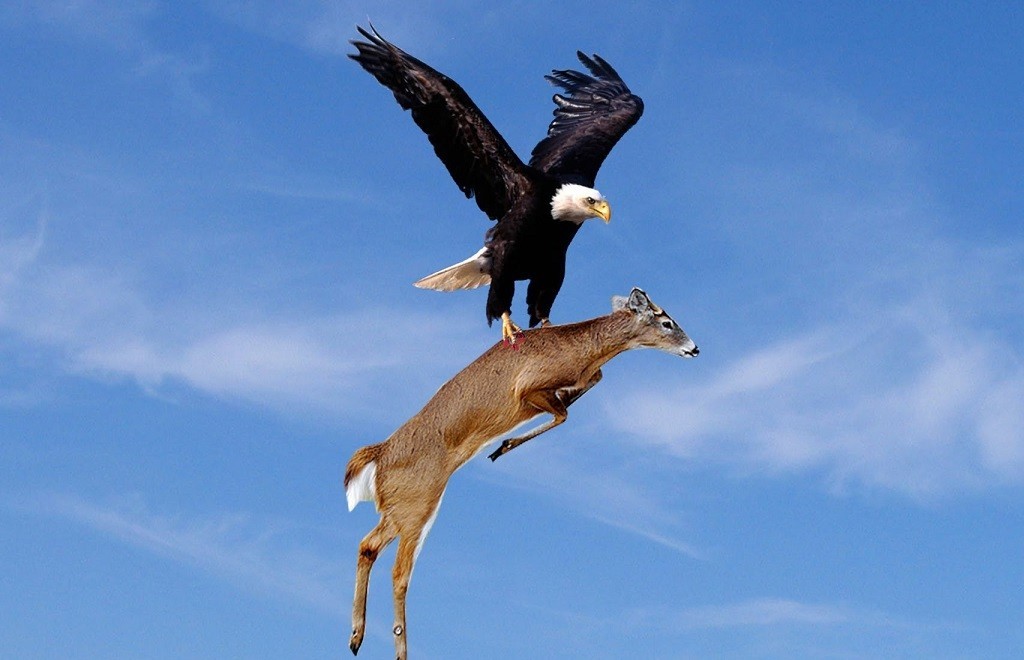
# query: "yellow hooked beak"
{"points": [[603, 211]]}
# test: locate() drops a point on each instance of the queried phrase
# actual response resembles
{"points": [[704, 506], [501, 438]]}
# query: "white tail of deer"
{"points": [[406, 475]]}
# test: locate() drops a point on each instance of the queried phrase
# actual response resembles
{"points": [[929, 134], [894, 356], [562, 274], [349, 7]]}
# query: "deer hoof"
{"points": [[502, 448]]}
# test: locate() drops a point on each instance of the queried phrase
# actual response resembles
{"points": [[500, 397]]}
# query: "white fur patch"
{"points": [[363, 486], [426, 529]]}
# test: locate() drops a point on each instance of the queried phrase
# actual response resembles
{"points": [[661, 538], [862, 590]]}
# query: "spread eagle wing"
{"points": [[590, 117], [479, 160]]}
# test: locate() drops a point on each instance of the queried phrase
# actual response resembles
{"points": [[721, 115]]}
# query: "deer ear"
{"points": [[638, 302], [619, 302]]}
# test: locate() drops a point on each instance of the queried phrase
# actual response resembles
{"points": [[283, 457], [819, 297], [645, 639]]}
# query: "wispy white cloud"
{"points": [[612, 497], [780, 627], [306, 189], [339, 364], [121, 26], [908, 396], [113, 22], [811, 629], [17, 252], [90, 275], [858, 336], [756, 612], [262, 556], [336, 363], [101, 322], [324, 26]]}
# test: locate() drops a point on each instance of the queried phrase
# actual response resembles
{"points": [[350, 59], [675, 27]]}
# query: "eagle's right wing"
{"points": [[480, 161]]}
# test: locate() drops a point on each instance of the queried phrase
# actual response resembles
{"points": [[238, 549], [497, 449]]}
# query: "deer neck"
{"points": [[606, 337]]}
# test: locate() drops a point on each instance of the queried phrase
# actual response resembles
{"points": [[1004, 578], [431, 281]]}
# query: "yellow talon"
{"points": [[509, 330]]}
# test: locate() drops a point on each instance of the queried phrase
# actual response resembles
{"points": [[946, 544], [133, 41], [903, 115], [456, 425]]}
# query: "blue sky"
{"points": [[209, 223]]}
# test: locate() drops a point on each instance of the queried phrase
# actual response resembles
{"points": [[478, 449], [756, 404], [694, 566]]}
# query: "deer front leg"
{"points": [[569, 395], [547, 401]]}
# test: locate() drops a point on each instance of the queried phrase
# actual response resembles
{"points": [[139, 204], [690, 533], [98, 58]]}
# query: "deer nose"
{"points": [[695, 352]]}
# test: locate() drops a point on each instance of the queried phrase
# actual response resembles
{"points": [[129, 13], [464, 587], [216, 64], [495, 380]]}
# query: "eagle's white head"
{"points": [[576, 203]]}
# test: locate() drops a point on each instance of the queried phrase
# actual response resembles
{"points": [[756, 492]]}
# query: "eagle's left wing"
{"points": [[590, 117]]}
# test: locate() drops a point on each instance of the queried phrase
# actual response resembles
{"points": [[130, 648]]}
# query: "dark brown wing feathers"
{"points": [[477, 157], [592, 113]]}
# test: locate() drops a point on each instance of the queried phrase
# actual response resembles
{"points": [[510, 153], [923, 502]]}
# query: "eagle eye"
{"points": [[591, 201]]}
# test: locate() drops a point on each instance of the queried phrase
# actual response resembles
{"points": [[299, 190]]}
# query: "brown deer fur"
{"points": [[496, 393]]}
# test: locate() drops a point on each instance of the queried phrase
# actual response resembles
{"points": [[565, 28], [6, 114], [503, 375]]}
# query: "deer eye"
{"points": [[666, 324]]}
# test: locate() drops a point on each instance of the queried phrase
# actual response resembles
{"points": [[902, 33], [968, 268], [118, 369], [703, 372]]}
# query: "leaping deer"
{"points": [[406, 475]]}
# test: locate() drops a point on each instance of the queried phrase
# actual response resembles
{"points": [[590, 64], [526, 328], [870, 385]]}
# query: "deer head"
{"points": [[653, 327]]}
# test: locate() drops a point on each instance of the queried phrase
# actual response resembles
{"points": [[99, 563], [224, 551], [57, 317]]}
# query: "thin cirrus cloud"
{"points": [[326, 27], [263, 556], [751, 613], [904, 394], [804, 629], [100, 323], [885, 350], [564, 474], [78, 293], [117, 24], [120, 26]]}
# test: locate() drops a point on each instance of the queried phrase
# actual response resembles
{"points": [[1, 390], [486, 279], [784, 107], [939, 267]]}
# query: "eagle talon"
{"points": [[510, 332]]}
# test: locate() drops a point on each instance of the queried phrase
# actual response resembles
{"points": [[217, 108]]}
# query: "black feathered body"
{"points": [[526, 243]]}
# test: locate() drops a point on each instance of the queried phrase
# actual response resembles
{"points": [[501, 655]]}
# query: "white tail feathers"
{"points": [[468, 274], [363, 486]]}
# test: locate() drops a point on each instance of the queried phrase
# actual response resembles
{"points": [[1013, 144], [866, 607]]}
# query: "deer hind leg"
{"points": [[370, 547], [404, 560], [548, 401], [410, 541]]}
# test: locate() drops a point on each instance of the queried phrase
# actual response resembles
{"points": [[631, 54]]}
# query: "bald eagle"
{"points": [[539, 206]]}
